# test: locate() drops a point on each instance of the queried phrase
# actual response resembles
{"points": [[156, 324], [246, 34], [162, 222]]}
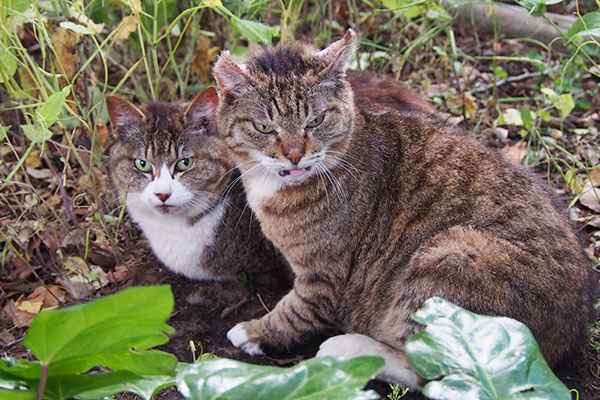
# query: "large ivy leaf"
{"points": [[479, 356], [589, 24], [317, 378], [104, 332]]}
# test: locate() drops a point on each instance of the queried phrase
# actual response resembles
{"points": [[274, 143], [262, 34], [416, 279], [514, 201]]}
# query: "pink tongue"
{"points": [[296, 171]]}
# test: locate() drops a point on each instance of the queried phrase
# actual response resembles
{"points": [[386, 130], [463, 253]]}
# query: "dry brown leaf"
{"points": [[466, 101], [135, 5], [128, 25], [20, 319], [589, 198], [30, 306], [33, 159], [102, 132], [595, 175], [516, 152], [51, 296], [203, 56], [64, 41], [119, 274]]}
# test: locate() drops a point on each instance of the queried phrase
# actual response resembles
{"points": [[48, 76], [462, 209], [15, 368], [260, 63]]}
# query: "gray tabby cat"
{"points": [[378, 211], [180, 188]]}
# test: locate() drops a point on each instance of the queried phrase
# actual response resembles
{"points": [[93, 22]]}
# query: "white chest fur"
{"points": [[178, 244], [260, 189]]}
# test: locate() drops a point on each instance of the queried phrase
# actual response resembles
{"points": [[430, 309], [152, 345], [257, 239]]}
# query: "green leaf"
{"points": [[105, 332], [536, 7], [8, 63], [3, 130], [255, 31], [50, 110], [479, 357], [84, 30], [146, 387], [36, 133], [588, 25], [317, 378]]}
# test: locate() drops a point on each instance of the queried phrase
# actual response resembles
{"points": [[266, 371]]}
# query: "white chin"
{"points": [[167, 210]]}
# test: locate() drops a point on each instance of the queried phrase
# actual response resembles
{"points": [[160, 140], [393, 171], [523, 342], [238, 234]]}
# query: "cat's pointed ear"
{"points": [[338, 54], [228, 73], [203, 108], [122, 113]]}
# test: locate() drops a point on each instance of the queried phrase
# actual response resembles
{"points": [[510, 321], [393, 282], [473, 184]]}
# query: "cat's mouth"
{"points": [[165, 209], [294, 172]]}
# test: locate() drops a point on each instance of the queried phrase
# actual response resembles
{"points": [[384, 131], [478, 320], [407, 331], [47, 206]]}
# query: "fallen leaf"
{"points": [[30, 306], [589, 198], [33, 159], [595, 175], [516, 152], [51, 296], [43, 173], [128, 25], [101, 132], [119, 274], [203, 56], [81, 279], [135, 5], [21, 319], [64, 41]]}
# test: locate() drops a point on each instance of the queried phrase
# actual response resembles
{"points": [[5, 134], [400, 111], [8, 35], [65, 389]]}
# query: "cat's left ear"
{"points": [[338, 54], [228, 73], [203, 108]]}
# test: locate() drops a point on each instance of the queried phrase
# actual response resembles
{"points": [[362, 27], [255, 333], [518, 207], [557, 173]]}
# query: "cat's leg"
{"points": [[397, 368], [296, 317]]}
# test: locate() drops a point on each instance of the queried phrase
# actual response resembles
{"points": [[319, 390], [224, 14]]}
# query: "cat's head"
{"points": [[287, 112], [168, 157]]}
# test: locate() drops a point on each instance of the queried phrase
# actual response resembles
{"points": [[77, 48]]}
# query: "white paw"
{"points": [[347, 346], [239, 338]]}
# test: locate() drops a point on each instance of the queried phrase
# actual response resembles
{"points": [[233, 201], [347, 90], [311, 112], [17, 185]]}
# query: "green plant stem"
{"points": [[43, 379]]}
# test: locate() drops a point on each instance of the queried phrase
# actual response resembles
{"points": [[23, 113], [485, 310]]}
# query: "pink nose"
{"points": [[295, 155], [162, 196]]}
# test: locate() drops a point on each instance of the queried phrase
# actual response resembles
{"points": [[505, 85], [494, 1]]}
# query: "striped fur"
{"points": [[386, 209], [208, 233]]}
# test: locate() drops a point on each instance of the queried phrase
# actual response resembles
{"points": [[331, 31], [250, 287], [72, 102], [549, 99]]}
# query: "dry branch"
{"points": [[512, 21]]}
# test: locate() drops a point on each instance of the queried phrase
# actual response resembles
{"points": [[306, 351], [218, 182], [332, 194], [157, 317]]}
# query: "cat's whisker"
{"points": [[237, 180], [232, 169], [335, 182], [345, 168], [320, 173], [344, 164]]}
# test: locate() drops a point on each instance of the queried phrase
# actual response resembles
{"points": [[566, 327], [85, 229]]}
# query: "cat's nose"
{"points": [[294, 155], [162, 196]]}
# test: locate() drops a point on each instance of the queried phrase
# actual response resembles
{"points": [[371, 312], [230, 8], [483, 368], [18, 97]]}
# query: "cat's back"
{"points": [[445, 178]]}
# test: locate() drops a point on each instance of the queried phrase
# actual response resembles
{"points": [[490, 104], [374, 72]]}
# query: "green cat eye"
{"points": [[316, 122], [142, 165], [262, 128], [184, 163]]}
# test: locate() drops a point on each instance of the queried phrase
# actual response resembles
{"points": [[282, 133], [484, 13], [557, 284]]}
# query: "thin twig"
{"points": [[504, 81], [234, 307]]}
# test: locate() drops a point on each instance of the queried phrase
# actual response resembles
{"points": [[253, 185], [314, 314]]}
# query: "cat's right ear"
{"points": [[228, 73], [122, 113], [204, 108]]}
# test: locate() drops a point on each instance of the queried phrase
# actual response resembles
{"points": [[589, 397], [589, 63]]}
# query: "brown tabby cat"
{"points": [[180, 188], [378, 211]]}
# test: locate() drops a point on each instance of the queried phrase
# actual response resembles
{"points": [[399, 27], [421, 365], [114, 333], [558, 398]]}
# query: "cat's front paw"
{"points": [[239, 337]]}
